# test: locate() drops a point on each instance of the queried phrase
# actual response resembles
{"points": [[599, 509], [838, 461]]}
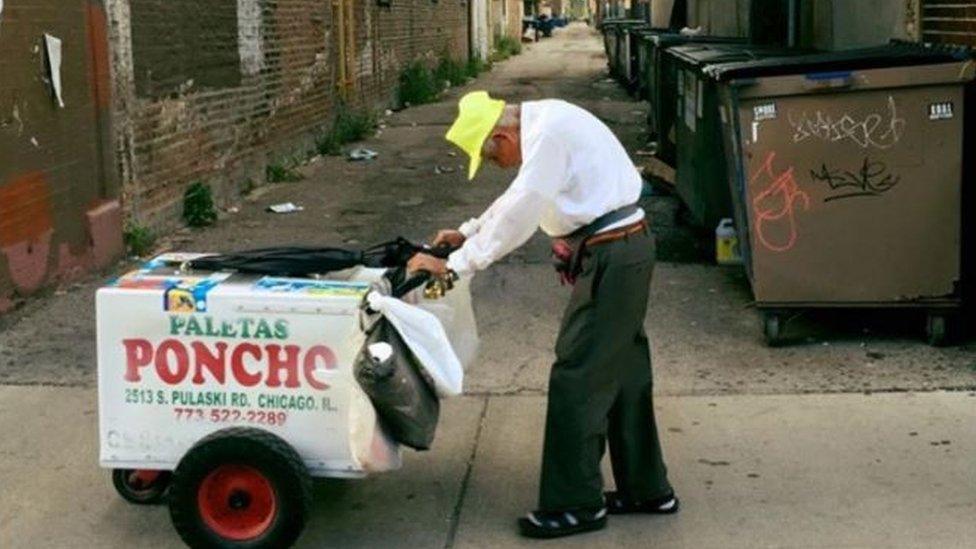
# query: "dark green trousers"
{"points": [[600, 385]]}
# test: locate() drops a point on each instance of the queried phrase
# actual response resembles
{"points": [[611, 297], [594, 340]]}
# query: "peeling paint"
{"points": [[250, 36], [27, 262]]}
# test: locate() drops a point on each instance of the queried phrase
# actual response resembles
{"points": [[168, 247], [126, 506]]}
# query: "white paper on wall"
{"points": [[53, 46]]}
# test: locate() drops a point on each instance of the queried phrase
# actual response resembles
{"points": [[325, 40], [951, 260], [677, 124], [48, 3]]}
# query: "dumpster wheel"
{"points": [[240, 487], [772, 327], [142, 487], [937, 329]]}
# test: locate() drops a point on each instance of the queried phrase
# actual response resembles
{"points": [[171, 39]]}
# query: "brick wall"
{"points": [[947, 21], [210, 91]]}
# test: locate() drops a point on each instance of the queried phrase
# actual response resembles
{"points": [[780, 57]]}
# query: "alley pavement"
{"points": [[854, 435]]}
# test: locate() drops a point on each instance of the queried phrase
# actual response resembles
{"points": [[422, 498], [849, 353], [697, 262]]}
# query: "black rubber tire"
{"points": [[937, 329], [153, 494], [772, 328], [274, 458]]}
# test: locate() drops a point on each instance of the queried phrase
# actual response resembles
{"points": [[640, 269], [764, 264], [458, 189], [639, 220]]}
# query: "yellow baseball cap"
{"points": [[477, 115]]}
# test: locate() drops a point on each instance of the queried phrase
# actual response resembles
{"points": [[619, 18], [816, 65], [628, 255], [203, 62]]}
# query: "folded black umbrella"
{"points": [[302, 261]]}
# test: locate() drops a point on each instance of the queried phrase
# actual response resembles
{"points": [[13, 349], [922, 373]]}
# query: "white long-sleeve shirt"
{"points": [[573, 171]]}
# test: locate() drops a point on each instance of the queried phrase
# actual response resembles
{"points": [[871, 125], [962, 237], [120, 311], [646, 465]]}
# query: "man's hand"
{"points": [[449, 237], [424, 262]]}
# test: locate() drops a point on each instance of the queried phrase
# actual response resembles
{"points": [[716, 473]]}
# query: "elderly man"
{"points": [[577, 183]]}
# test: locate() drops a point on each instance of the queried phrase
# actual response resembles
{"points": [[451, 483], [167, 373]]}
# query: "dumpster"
{"points": [[846, 176], [617, 41], [661, 86], [701, 178], [641, 46], [627, 58]]}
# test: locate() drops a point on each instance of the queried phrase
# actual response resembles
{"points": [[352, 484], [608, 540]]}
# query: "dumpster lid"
{"points": [[619, 22], [667, 40], [701, 56], [896, 54]]}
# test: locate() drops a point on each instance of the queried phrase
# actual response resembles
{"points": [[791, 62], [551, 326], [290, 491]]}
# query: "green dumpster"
{"points": [[642, 45], [627, 60], [846, 172], [701, 179], [616, 44], [662, 86]]}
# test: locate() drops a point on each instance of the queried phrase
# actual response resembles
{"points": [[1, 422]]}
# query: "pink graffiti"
{"points": [[776, 204]]}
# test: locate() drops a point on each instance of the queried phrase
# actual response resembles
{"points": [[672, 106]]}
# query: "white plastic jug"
{"points": [[727, 244]]}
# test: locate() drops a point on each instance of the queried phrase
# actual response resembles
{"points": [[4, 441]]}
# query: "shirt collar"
{"points": [[528, 118]]}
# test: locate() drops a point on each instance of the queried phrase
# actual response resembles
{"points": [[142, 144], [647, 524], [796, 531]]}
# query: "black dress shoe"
{"points": [[555, 524], [619, 504]]}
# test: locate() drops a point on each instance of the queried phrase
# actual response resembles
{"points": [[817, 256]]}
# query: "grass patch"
{"points": [[505, 47], [198, 206], [418, 84], [349, 126], [450, 71], [139, 240], [475, 66], [281, 173]]}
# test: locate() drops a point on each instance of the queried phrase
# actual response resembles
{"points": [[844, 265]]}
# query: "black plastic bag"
{"points": [[404, 399]]}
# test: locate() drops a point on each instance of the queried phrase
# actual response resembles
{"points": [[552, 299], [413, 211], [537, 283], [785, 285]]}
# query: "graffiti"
{"points": [[774, 208], [881, 131], [873, 179]]}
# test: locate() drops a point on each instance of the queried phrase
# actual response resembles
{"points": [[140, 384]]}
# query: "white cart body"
{"points": [[183, 355]]}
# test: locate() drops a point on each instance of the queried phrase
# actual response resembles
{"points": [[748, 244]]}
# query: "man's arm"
{"points": [[510, 226]]}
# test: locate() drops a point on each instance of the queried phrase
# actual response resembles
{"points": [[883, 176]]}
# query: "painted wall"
{"points": [[860, 23], [480, 31], [59, 210], [720, 17]]}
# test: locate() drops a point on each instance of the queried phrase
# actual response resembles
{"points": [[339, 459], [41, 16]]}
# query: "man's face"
{"points": [[503, 148]]}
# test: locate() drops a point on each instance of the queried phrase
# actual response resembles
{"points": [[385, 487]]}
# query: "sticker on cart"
{"points": [[765, 112], [320, 288], [942, 111], [191, 297], [135, 281]]}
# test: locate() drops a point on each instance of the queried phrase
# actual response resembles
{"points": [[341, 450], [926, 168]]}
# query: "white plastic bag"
{"points": [[371, 446], [456, 314], [423, 332]]}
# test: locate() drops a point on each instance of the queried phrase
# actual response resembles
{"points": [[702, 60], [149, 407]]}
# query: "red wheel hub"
{"points": [[237, 502]]}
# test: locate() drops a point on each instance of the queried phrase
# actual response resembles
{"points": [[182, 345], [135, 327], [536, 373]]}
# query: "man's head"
{"points": [[487, 129], [504, 146]]}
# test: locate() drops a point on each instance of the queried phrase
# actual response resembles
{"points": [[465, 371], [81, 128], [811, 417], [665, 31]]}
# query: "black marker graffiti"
{"points": [[873, 179]]}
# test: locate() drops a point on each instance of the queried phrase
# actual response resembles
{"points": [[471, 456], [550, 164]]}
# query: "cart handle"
{"points": [[412, 283]]}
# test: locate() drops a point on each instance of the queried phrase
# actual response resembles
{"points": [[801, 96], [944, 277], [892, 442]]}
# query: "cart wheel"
{"points": [[141, 486], [936, 329], [240, 487], [772, 328]]}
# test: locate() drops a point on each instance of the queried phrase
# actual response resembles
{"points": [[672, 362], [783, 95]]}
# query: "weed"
{"points": [[505, 47], [476, 65], [198, 206], [247, 186], [450, 71], [139, 240], [417, 84], [280, 173], [349, 126]]}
